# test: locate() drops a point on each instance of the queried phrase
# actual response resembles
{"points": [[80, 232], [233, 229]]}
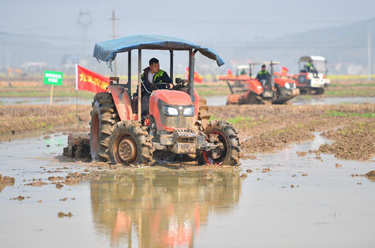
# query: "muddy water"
{"points": [[221, 100], [188, 207]]}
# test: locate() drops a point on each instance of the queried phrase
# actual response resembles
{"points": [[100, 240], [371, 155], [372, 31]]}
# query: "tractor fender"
{"points": [[121, 98], [254, 86]]}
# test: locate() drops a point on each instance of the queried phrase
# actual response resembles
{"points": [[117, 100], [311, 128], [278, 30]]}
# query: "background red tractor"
{"points": [[246, 89], [177, 121]]}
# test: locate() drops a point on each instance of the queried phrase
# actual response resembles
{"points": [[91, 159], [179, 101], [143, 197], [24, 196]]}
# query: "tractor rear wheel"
{"points": [[225, 137], [130, 143], [103, 119], [203, 115]]}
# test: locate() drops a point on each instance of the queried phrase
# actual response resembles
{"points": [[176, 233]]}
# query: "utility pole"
{"points": [[369, 56], [84, 21], [113, 19]]}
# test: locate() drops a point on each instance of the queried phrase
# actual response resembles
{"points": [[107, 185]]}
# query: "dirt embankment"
{"points": [[355, 141], [6, 181], [267, 129], [15, 119]]}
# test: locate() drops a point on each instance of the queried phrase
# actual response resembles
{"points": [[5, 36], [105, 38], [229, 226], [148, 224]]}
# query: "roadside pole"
{"points": [[369, 56], [50, 99], [77, 106], [52, 78]]}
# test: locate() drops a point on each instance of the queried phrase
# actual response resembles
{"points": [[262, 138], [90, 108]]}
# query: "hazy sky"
{"points": [[216, 22]]}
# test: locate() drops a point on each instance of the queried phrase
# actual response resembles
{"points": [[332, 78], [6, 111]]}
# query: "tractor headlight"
{"points": [[170, 111], [287, 86], [189, 111]]}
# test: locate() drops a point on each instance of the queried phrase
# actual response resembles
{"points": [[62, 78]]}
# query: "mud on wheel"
{"points": [[203, 115], [227, 152], [103, 119], [130, 143]]}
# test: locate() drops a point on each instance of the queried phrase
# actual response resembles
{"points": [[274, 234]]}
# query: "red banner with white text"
{"points": [[90, 81]]}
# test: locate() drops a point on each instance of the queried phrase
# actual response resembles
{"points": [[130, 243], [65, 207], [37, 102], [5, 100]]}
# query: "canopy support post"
{"points": [[139, 84], [130, 72], [191, 74], [171, 64]]}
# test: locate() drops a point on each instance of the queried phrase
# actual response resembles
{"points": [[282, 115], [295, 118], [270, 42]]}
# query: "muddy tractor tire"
{"points": [[252, 99], [203, 115], [319, 91], [103, 120], [228, 151], [130, 143]]}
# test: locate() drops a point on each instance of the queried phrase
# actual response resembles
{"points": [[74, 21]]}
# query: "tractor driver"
{"points": [[153, 78], [310, 67], [263, 75]]}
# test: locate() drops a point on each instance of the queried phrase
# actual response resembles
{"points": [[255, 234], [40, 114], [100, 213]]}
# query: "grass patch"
{"points": [[335, 113], [239, 119]]}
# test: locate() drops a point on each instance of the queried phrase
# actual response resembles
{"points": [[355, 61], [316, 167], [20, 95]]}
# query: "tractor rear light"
{"points": [[189, 111], [170, 111]]}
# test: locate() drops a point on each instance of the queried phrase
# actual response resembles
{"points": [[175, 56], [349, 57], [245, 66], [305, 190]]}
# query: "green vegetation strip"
{"points": [[335, 113]]}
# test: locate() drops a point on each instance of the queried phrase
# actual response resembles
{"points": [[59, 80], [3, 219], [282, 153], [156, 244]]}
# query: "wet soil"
{"points": [[20, 119], [355, 141], [6, 181], [268, 129]]}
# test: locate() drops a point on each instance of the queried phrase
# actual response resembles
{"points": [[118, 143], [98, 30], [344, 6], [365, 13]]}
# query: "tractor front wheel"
{"points": [[130, 143], [103, 119], [225, 137]]}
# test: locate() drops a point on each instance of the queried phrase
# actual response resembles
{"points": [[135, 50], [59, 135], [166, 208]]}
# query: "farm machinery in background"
{"points": [[246, 89], [310, 79]]}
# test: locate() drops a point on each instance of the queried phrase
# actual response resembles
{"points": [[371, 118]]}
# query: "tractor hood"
{"points": [[173, 97], [107, 50]]}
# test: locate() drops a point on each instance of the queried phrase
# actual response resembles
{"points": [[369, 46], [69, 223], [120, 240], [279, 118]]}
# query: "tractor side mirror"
{"points": [[117, 79]]}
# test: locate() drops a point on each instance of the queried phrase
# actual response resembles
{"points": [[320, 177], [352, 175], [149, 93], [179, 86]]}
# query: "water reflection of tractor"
{"points": [[127, 128], [160, 209], [265, 88], [310, 79]]}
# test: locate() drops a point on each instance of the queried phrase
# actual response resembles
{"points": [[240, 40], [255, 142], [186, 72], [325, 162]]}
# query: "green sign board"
{"points": [[53, 77]]}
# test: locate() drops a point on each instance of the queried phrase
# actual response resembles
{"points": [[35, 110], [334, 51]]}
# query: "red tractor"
{"points": [[245, 89], [177, 121]]}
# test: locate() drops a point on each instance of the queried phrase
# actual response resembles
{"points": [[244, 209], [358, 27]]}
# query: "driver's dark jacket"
{"points": [[159, 77], [263, 75]]}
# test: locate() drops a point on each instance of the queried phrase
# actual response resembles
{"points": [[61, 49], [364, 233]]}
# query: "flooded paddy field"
{"points": [[280, 199], [302, 182]]}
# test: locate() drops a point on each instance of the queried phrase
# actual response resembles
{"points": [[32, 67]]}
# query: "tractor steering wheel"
{"points": [[164, 83]]}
